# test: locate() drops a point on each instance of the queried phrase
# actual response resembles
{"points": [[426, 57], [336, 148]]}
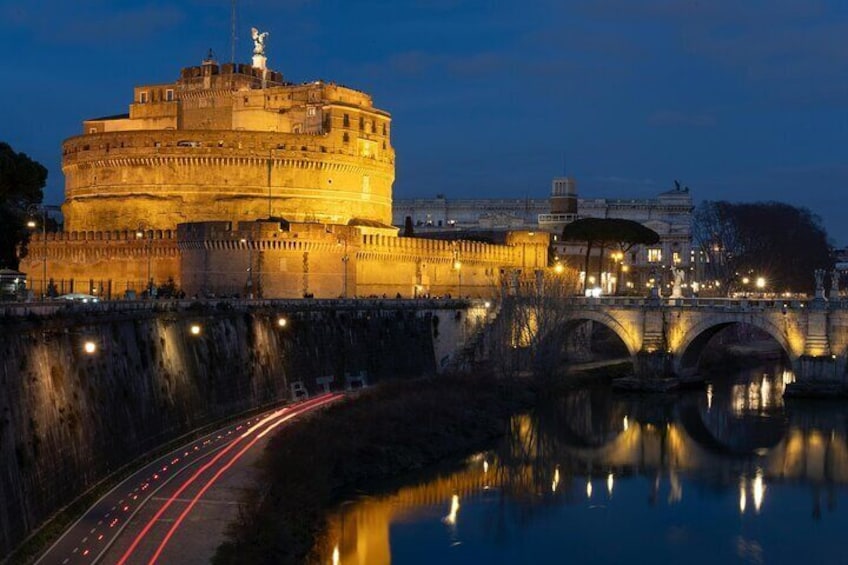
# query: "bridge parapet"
{"points": [[812, 332]]}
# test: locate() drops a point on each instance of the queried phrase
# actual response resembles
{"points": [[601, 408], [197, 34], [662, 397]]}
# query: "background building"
{"points": [[669, 214]]}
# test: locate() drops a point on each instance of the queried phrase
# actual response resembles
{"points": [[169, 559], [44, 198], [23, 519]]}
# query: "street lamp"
{"points": [[32, 210], [142, 232], [457, 265], [345, 258]]}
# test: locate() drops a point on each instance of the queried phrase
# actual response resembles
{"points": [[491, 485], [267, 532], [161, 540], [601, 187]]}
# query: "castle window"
{"points": [[361, 122], [345, 137], [142, 97], [346, 121], [311, 111], [169, 95], [373, 127], [384, 129], [92, 130]]}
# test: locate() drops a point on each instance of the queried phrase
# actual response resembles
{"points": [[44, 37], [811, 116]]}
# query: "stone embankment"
{"points": [[69, 418]]}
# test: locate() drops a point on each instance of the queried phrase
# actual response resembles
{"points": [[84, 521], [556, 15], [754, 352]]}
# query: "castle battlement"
{"points": [[112, 235]]}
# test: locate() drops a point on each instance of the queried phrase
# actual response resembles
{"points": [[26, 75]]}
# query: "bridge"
{"points": [[667, 335]]}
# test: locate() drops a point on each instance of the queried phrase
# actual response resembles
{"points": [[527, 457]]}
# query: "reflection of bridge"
{"points": [[670, 334], [540, 462]]}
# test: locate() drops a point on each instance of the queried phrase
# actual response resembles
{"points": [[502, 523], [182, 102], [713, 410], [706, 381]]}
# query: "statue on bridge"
{"points": [[679, 275], [819, 274]]}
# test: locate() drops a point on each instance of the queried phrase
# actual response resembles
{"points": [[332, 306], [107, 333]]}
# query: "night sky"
{"points": [[741, 100]]}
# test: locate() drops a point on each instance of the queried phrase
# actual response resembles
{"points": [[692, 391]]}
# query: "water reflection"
{"points": [[699, 453]]}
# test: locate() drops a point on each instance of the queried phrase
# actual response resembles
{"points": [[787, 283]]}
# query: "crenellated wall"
{"points": [[272, 259], [106, 264], [279, 260], [67, 418]]}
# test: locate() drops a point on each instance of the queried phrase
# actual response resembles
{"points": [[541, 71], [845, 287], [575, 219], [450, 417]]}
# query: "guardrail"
{"points": [[701, 303], [54, 307]]}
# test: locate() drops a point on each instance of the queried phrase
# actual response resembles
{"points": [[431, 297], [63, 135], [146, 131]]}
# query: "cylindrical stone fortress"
{"points": [[222, 143]]}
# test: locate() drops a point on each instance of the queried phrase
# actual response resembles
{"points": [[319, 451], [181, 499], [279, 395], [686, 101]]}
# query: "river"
{"points": [[728, 473]]}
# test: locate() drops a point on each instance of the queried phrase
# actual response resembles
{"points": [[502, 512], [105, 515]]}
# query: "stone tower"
{"points": [[564, 196]]}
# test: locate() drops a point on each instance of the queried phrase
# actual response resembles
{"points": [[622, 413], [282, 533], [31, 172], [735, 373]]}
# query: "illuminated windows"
{"points": [[654, 255]]}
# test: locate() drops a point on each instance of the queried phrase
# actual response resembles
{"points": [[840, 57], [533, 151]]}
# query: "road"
{"points": [[174, 510]]}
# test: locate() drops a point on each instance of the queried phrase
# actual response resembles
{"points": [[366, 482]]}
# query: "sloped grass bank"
{"points": [[393, 429]]}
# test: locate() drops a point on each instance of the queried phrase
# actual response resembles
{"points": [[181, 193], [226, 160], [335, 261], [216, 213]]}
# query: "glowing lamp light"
{"points": [[457, 265], [282, 322], [558, 268], [195, 329], [487, 304], [89, 347], [31, 224], [761, 282], [336, 556]]}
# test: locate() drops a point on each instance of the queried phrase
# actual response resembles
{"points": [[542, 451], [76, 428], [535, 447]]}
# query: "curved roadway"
{"points": [[161, 513]]}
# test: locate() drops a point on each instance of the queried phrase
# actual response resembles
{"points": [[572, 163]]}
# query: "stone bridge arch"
{"points": [[688, 350], [629, 336]]}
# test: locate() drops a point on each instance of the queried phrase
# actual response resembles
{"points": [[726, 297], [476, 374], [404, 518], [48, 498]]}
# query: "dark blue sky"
{"points": [[741, 100]]}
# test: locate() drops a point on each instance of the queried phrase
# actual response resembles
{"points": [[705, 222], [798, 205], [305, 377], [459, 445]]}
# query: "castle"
{"points": [[232, 181]]}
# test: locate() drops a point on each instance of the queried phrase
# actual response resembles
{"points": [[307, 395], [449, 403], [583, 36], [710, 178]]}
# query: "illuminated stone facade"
{"points": [[216, 145], [231, 181]]}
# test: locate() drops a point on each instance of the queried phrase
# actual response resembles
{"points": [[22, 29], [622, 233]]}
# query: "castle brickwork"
{"points": [[290, 261]]}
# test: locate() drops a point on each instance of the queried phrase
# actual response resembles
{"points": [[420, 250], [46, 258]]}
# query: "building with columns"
{"points": [[669, 214]]}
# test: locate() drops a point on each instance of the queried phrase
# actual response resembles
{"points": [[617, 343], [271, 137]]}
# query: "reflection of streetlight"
{"points": [[143, 232]]}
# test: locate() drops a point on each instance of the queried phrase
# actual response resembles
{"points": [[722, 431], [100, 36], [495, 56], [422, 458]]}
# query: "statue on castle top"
{"points": [[258, 41]]}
